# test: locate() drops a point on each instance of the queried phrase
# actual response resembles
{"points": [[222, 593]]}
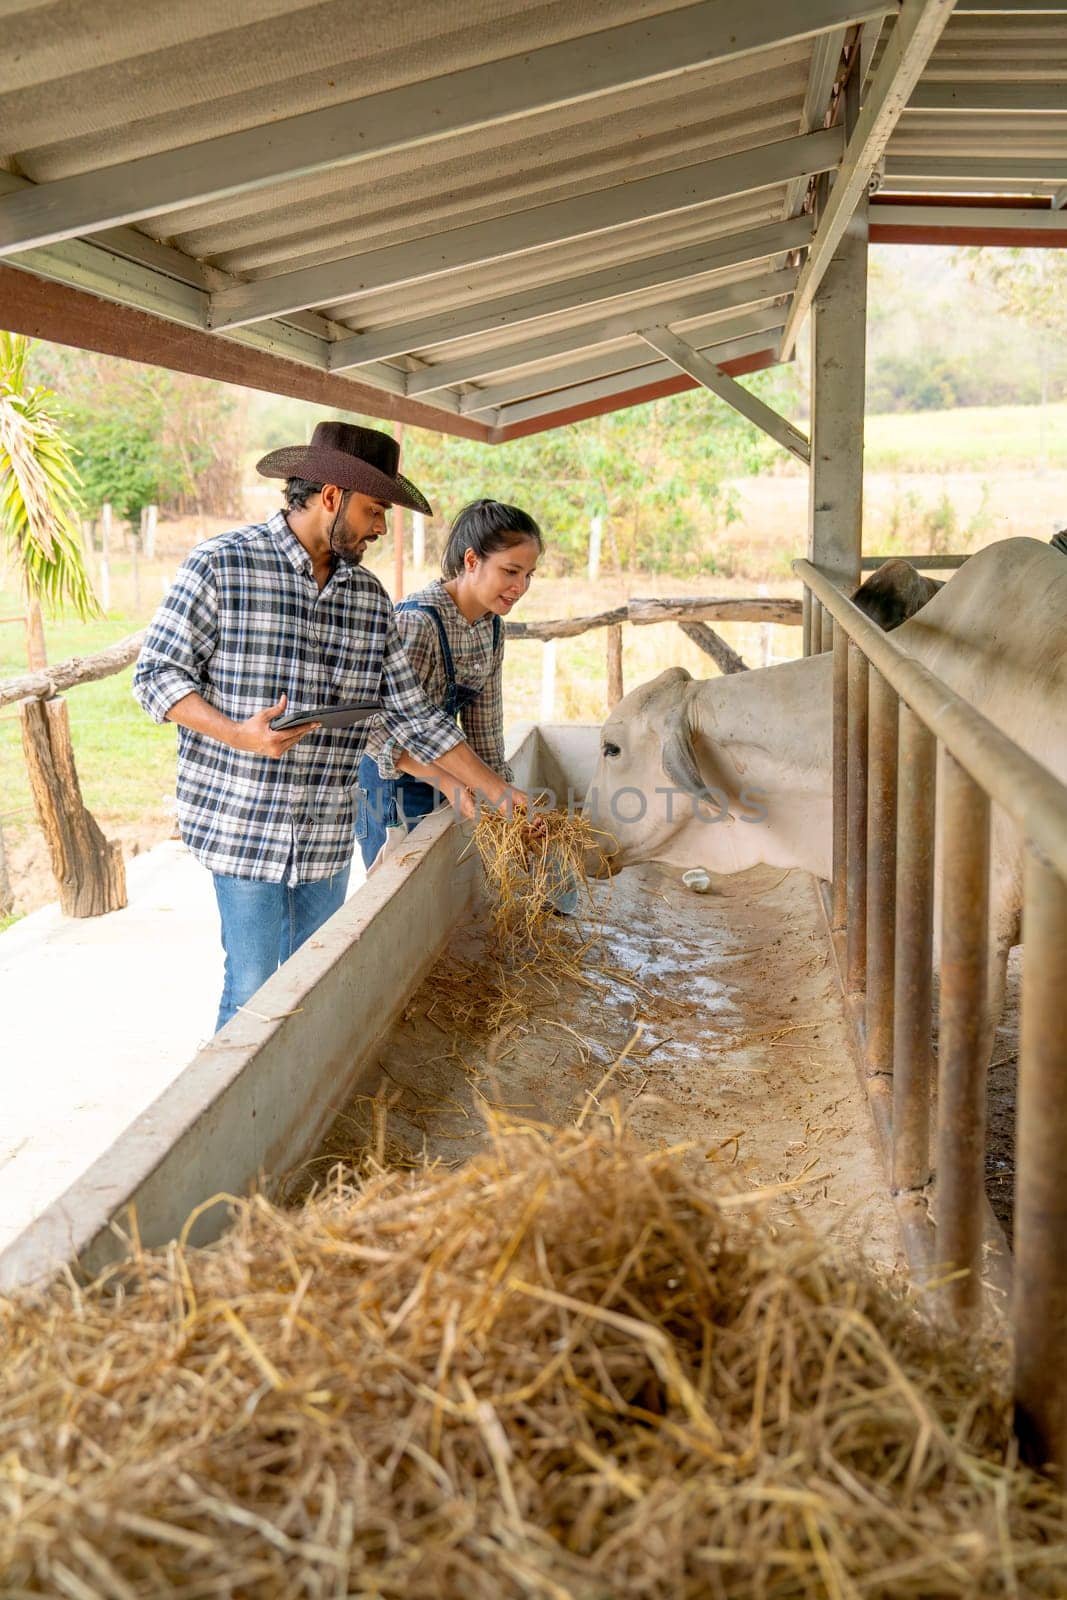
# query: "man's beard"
{"points": [[351, 558]]}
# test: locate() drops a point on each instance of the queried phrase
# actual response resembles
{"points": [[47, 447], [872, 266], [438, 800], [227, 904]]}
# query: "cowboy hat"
{"points": [[362, 459]]}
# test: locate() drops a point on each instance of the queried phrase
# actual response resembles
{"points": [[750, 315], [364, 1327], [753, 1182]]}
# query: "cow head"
{"points": [[724, 773]]}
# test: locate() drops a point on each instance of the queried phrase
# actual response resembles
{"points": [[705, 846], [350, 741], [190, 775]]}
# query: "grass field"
{"points": [[973, 439]]}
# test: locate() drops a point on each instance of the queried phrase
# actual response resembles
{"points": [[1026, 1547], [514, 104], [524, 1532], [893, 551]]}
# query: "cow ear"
{"points": [[679, 761]]}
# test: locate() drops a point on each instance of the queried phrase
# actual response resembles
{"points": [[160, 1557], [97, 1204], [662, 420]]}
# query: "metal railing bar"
{"points": [[881, 871], [964, 1036], [856, 811], [840, 763], [924, 563], [1040, 1287], [913, 960]]}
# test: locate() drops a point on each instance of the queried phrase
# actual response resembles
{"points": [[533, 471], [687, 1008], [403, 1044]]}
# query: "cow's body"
{"points": [[895, 592], [997, 634]]}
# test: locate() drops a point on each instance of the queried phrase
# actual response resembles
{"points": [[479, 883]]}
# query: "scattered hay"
{"points": [[569, 1370], [529, 950]]}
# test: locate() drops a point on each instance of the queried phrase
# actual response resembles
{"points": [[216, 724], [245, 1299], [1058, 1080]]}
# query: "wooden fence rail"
{"points": [[79, 669], [643, 612]]}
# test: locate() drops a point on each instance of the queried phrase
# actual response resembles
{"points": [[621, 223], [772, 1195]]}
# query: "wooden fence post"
{"points": [[151, 520], [548, 681], [89, 869], [615, 686], [596, 529], [136, 541]]}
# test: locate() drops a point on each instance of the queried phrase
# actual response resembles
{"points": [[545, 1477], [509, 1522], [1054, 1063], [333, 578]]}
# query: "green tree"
{"points": [[657, 473], [144, 436], [40, 532], [1030, 284]]}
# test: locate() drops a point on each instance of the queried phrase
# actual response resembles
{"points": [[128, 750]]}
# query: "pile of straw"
{"points": [[569, 1369]]}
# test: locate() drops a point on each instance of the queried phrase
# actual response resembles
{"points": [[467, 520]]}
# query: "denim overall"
{"points": [[387, 802]]}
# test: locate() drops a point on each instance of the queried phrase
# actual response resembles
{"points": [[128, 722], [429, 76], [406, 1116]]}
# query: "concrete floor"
{"points": [[743, 1053], [99, 1015]]}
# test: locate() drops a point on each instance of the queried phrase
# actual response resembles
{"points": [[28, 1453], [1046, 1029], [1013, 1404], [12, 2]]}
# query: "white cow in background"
{"points": [[757, 746]]}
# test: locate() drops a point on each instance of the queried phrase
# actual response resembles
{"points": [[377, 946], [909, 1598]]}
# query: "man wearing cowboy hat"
{"points": [[282, 614]]}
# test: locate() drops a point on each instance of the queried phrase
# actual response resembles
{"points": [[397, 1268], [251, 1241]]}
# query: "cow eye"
{"points": [[611, 750]]}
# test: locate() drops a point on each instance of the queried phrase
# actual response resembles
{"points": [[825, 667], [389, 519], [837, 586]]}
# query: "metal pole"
{"points": [[962, 1065], [840, 758], [398, 534], [881, 872], [856, 933], [913, 964], [1040, 1287]]}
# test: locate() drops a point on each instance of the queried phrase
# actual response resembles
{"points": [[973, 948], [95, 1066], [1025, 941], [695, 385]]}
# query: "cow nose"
{"points": [[598, 863]]}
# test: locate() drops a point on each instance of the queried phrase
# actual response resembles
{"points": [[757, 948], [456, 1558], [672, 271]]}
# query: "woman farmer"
{"points": [[454, 639]]}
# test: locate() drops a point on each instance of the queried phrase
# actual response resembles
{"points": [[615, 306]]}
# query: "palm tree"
{"points": [[40, 533]]}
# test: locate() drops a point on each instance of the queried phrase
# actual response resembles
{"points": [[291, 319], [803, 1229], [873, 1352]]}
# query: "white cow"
{"points": [[760, 741]]}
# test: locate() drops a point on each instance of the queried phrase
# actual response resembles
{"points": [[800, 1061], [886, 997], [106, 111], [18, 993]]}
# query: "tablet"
{"points": [[344, 716]]}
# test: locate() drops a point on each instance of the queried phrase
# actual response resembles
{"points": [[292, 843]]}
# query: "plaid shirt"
{"points": [[477, 665], [244, 621]]}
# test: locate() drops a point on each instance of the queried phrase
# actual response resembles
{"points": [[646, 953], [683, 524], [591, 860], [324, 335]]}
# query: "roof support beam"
{"points": [[1012, 8], [978, 187], [838, 374], [1037, 219], [992, 96], [619, 383], [51, 310], [686, 359], [917, 30], [608, 362], [1031, 170], [567, 294], [576, 217], [89, 267], [685, 308], [825, 60], [415, 114]]}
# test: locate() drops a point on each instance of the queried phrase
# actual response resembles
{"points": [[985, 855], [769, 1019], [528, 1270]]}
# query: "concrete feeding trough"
{"points": [[744, 1046]]}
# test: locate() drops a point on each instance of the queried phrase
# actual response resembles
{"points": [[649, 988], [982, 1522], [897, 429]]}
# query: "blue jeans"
{"points": [[262, 924], [381, 800]]}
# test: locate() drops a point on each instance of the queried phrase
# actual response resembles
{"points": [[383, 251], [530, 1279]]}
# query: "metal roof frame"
{"points": [[647, 165]]}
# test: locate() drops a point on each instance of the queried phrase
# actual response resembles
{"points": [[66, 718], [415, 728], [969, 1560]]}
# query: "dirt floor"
{"points": [[741, 1055]]}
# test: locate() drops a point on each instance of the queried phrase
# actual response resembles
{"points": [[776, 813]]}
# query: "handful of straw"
{"points": [[569, 1370], [529, 950]]}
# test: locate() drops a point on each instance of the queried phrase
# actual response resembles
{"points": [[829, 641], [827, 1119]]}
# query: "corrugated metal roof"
{"points": [[314, 188]]}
